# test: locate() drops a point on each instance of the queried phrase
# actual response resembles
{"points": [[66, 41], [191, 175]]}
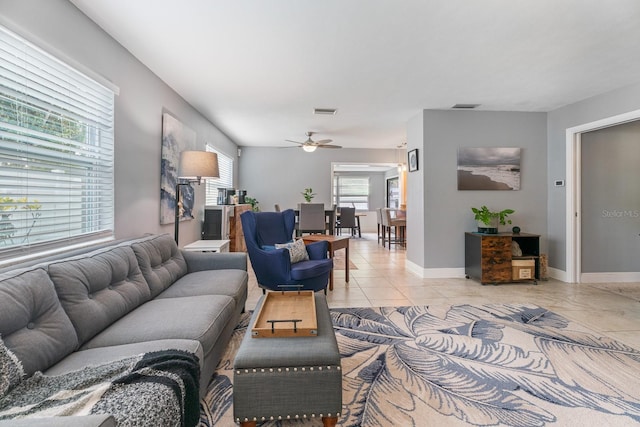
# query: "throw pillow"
{"points": [[297, 250]]}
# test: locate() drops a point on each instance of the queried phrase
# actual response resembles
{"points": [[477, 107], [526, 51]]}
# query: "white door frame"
{"points": [[573, 164]]}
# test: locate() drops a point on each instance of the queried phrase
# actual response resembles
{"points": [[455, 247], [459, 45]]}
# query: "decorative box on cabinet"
{"points": [[488, 257]]}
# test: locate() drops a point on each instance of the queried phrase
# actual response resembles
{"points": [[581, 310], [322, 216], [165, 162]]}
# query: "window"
{"points": [[56, 152], [350, 190], [225, 166]]}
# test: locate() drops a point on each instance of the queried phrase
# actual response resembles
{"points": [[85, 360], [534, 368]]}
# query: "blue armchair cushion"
{"points": [[297, 250], [312, 268]]}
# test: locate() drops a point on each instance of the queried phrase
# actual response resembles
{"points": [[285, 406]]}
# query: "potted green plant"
{"points": [[253, 202], [488, 220], [308, 194]]}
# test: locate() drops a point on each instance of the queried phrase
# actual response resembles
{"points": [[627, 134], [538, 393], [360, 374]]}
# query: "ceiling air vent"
{"points": [[325, 111], [466, 106]]}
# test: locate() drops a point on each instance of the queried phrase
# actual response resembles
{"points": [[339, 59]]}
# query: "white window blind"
{"points": [[56, 152], [351, 191], [225, 166]]}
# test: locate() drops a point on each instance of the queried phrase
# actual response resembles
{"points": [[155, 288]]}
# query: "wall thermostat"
{"points": [[559, 182]]}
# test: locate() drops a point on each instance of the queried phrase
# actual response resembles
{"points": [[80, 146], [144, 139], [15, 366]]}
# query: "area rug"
{"points": [[339, 262], [486, 365]]}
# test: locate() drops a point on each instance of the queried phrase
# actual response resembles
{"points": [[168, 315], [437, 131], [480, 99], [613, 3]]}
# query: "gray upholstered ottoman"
{"points": [[288, 378]]}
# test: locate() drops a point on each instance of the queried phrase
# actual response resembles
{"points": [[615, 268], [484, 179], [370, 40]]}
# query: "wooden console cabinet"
{"points": [[487, 257], [236, 236]]}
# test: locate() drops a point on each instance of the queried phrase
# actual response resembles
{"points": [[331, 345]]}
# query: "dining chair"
{"points": [[380, 227], [395, 224], [277, 207], [348, 220], [311, 219], [332, 220]]}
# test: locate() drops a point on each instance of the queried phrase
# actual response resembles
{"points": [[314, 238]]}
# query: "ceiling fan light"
{"points": [[309, 148]]}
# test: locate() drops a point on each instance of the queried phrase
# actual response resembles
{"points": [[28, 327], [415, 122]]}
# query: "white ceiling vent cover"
{"points": [[325, 111], [465, 106]]}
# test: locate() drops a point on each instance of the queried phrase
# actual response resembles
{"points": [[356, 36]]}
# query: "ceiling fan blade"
{"points": [[296, 142], [323, 141], [329, 146]]}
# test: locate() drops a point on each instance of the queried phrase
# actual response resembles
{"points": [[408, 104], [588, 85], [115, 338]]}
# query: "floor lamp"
{"points": [[194, 166]]}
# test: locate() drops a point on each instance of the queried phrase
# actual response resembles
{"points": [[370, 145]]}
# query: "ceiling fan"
{"points": [[310, 145]]}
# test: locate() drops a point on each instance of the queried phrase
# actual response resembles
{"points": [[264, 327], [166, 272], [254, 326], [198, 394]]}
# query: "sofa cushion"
{"points": [[200, 318], [98, 356], [33, 324], [232, 283], [160, 261], [99, 288]]}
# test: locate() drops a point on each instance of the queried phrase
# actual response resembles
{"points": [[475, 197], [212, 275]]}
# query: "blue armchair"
{"points": [[272, 267]]}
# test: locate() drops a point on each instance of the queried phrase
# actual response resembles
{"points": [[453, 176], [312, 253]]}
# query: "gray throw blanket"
{"points": [[158, 388]]}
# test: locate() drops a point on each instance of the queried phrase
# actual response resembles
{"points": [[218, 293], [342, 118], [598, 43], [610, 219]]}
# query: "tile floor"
{"points": [[612, 309]]}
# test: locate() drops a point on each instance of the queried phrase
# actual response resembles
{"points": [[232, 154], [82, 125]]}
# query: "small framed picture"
{"points": [[413, 160]]}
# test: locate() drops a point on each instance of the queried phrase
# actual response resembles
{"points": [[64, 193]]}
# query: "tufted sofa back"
{"points": [[33, 324], [160, 261], [48, 310], [98, 288]]}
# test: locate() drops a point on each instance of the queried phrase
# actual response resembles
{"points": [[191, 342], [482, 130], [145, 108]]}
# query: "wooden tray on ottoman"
{"points": [[286, 314]]}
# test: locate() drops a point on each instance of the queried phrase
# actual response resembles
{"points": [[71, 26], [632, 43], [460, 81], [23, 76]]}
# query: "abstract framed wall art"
{"points": [[175, 138], [490, 168]]}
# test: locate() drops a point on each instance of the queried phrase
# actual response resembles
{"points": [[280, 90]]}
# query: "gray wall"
{"points": [[447, 211], [416, 197], [279, 175], [60, 28], [611, 199], [558, 121]]}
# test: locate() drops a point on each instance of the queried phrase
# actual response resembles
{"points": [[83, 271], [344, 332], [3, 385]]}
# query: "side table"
{"points": [[335, 243], [208, 246]]}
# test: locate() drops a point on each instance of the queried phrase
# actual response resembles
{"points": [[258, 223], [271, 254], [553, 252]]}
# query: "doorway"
{"points": [[610, 203], [393, 193], [573, 221]]}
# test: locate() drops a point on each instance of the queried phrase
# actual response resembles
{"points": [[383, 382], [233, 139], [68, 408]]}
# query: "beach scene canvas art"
{"points": [[488, 168]]}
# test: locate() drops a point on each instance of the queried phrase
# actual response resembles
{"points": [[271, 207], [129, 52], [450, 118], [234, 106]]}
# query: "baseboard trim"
{"points": [[448, 273], [557, 274], [434, 273], [610, 277]]}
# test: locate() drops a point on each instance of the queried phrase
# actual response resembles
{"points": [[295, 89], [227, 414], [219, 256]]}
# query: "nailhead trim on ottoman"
{"points": [[288, 378]]}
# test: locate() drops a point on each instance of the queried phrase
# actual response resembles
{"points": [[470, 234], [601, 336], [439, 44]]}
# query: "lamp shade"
{"points": [[197, 165]]}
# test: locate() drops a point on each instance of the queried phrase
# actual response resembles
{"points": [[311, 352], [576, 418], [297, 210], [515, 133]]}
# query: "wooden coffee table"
{"points": [[335, 243]]}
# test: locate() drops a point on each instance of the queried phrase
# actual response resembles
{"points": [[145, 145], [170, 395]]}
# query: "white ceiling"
{"points": [[258, 68]]}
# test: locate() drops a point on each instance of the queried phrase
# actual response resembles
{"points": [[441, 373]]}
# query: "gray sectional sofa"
{"points": [[126, 299]]}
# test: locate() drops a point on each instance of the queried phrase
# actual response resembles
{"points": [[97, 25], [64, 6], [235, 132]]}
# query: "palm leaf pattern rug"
{"points": [[488, 365]]}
